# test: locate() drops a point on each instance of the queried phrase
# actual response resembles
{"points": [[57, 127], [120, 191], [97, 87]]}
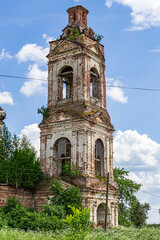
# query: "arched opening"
{"points": [[95, 86], [99, 158], [66, 83], [101, 214], [62, 153]]}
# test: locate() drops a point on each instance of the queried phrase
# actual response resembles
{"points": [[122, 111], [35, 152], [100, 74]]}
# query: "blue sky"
{"points": [[131, 30]]}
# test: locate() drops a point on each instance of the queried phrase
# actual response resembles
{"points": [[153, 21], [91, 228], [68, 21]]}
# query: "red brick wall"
{"points": [[27, 198]]}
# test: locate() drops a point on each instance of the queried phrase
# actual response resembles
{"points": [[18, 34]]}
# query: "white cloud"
{"points": [[136, 150], [34, 86], [155, 50], [6, 98], [48, 38], [140, 155], [116, 93], [145, 13], [33, 52], [5, 55], [32, 132]]}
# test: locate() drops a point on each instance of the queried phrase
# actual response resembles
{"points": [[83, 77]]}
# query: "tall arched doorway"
{"points": [[101, 214]]}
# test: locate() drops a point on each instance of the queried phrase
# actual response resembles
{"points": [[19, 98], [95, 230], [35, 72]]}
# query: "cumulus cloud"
{"points": [[6, 98], [5, 55], [140, 155], [116, 93], [32, 132], [144, 14], [34, 86], [136, 150], [33, 52]]}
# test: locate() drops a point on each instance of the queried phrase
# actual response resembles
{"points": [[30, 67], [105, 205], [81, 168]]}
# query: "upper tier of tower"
{"points": [[77, 17]]}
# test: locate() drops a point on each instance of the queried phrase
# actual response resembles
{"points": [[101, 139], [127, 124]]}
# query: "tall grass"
{"points": [[120, 233]]}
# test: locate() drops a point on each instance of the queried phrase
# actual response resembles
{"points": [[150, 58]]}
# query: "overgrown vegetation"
{"points": [[70, 171], [70, 197], [74, 34], [44, 111], [98, 37], [19, 165], [130, 210], [64, 211]]}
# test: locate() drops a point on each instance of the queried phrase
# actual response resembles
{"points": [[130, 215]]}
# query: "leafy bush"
{"points": [[65, 197], [17, 216], [52, 210], [79, 223], [13, 212], [39, 221]]}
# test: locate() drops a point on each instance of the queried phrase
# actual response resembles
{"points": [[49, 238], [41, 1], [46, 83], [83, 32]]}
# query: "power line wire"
{"points": [[19, 77], [150, 194], [109, 86]]}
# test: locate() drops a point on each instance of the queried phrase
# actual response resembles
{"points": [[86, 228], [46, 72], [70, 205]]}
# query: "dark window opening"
{"points": [[99, 158], [95, 86], [62, 149], [66, 83], [74, 17]]}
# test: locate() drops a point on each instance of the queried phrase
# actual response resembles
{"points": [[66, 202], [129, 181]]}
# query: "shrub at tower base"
{"points": [[54, 216]]}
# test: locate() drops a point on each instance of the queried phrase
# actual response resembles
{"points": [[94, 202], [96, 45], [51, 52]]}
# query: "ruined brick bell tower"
{"points": [[79, 130]]}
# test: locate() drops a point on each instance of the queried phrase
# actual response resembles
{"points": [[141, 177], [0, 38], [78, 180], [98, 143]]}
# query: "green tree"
{"points": [[19, 165], [128, 202], [139, 213]]}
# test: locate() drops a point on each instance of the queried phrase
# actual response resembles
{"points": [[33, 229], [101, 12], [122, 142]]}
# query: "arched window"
{"points": [[62, 152], [101, 214], [74, 17], [99, 158], [95, 86], [66, 83]]}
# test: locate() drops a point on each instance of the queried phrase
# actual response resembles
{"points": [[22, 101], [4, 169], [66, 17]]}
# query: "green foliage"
{"points": [[79, 223], [98, 38], [130, 210], [19, 165], [44, 111], [65, 197], [139, 213], [70, 171], [54, 210], [17, 216], [74, 34]]}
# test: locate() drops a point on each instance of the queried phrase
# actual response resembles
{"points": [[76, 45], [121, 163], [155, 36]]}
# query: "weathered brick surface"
{"points": [[26, 197], [81, 116]]}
